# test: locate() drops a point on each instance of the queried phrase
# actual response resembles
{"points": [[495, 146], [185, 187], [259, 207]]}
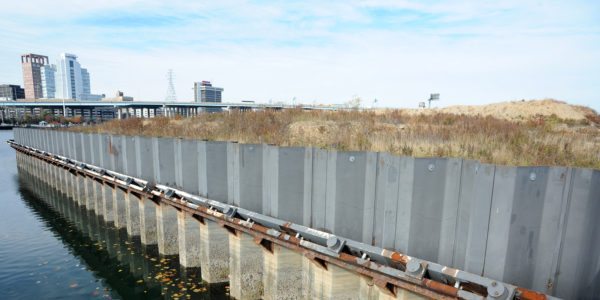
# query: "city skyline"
{"points": [[395, 52]]}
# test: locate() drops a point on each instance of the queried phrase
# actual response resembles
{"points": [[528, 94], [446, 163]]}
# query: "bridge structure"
{"points": [[105, 110]]}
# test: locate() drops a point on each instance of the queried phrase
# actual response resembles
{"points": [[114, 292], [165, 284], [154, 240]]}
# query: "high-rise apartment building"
{"points": [[32, 82], [47, 75], [73, 81]]}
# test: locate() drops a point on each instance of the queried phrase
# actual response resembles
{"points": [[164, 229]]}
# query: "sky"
{"points": [[324, 52]]}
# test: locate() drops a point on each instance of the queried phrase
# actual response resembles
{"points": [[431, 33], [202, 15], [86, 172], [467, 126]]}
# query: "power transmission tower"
{"points": [[170, 88]]}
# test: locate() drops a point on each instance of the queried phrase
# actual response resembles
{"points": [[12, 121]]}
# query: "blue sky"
{"points": [[398, 52]]}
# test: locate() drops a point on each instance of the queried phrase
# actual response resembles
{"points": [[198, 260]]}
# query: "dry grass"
{"points": [[541, 140]]}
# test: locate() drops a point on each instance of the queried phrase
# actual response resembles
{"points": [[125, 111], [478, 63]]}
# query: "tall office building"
{"points": [[73, 81], [85, 81], [205, 92], [47, 75], [32, 82]]}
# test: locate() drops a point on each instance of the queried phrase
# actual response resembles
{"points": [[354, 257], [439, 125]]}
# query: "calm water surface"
{"points": [[52, 249]]}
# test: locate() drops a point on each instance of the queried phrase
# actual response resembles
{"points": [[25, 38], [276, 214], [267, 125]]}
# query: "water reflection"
{"points": [[127, 269]]}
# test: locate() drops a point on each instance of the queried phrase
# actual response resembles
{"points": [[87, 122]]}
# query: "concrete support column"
{"points": [[90, 195], [120, 207], [166, 221], [246, 264], [73, 187], [133, 214], [53, 178], [214, 252], [98, 203], [81, 190], [333, 283], [65, 182], [284, 274], [147, 212], [189, 240], [62, 184], [107, 203]]}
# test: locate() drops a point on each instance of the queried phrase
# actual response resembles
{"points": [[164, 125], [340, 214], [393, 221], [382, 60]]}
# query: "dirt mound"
{"points": [[518, 110]]}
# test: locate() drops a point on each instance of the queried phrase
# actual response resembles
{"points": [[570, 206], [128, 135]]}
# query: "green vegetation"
{"points": [[536, 141]]}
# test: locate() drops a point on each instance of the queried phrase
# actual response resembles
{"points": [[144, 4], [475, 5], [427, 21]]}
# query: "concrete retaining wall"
{"points": [[536, 227]]}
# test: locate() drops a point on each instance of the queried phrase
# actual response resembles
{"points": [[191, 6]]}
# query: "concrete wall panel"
{"points": [[249, 164], [426, 207], [164, 161], [386, 200], [94, 149], [477, 181], [117, 154], [86, 148], [130, 155], [188, 159], [105, 151], [291, 186], [214, 169], [145, 158], [579, 262], [77, 145], [353, 197], [318, 189]]}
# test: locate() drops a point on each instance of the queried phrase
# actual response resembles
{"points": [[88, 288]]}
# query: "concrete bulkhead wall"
{"points": [[531, 226]]}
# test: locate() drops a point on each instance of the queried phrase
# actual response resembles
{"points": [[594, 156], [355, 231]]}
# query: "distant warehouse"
{"points": [[205, 92]]}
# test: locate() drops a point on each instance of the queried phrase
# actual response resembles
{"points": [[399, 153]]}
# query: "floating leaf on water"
{"points": [[140, 281], [73, 285]]}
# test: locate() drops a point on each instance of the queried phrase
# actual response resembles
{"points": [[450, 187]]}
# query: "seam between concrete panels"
{"points": [[565, 208], [460, 182], [487, 236]]}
